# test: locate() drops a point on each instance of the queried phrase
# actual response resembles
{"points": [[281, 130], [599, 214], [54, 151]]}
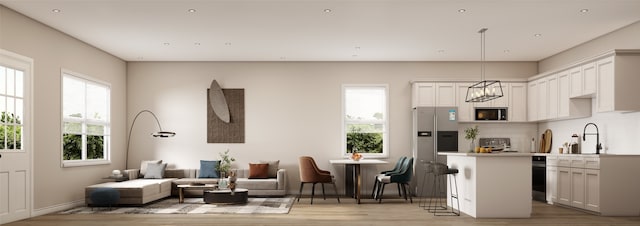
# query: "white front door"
{"points": [[15, 139]]}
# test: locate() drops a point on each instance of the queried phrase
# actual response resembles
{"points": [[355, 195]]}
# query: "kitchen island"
{"points": [[492, 185]]}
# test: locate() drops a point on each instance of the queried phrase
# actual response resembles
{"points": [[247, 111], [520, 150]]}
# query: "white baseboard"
{"points": [[57, 208]]}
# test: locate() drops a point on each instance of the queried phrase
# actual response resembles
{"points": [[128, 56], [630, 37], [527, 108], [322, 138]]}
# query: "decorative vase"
{"points": [[472, 145], [232, 181]]}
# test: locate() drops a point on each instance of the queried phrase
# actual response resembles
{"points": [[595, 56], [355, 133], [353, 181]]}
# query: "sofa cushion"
{"points": [[257, 184], [258, 170], [143, 166], [155, 170], [273, 167], [208, 169]]}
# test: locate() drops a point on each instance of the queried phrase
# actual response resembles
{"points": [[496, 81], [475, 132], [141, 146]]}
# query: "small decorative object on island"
{"points": [[471, 134], [225, 164], [232, 181]]}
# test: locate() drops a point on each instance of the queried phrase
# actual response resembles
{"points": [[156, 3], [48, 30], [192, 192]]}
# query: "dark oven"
{"points": [[539, 177]]}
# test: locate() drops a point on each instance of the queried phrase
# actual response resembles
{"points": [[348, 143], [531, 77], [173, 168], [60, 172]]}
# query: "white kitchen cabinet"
{"points": [[552, 96], [543, 99], [583, 80], [431, 94], [532, 101], [424, 94], [445, 94], [552, 186], [517, 102], [619, 77], [564, 185], [570, 107], [465, 109], [577, 179], [592, 190]]}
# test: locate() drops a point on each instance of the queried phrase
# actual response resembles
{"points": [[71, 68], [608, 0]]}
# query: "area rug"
{"points": [[195, 206]]}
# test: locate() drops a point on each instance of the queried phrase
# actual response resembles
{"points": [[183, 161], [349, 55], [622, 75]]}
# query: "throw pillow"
{"points": [[208, 169], [258, 170], [273, 167], [143, 166], [155, 171]]}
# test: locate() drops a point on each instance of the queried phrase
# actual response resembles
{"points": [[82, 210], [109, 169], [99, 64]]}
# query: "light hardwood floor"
{"points": [[329, 212]]}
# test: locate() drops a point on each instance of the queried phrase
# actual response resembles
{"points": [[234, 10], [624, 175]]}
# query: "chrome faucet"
{"points": [[584, 136]]}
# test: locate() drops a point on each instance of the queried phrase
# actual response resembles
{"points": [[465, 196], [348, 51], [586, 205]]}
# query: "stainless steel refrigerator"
{"points": [[435, 129]]}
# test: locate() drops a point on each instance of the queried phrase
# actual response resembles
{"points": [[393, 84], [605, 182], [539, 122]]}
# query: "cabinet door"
{"points": [[605, 100], [543, 97], [465, 109], [552, 184], [592, 193], [564, 186], [504, 100], [424, 94], [575, 75], [445, 95], [532, 101], [564, 85], [517, 102], [589, 79], [552, 96], [577, 188]]}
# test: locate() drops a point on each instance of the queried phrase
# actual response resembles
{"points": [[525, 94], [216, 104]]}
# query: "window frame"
{"points": [[84, 121], [384, 121]]}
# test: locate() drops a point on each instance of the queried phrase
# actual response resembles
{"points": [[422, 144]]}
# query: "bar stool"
{"points": [[440, 171], [428, 170]]}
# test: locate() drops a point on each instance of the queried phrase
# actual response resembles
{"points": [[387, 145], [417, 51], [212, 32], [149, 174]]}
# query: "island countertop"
{"points": [[493, 154]]}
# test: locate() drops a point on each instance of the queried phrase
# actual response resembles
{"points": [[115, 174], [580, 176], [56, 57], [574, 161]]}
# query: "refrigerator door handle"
{"points": [[435, 137]]}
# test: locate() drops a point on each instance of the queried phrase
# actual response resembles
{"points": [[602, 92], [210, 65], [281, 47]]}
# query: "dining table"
{"points": [[353, 173]]}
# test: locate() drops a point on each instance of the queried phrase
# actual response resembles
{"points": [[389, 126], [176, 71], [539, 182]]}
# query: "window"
{"points": [[11, 109], [365, 120], [85, 120]]}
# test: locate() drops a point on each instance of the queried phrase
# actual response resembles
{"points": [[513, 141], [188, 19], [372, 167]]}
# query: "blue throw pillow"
{"points": [[208, 169]]}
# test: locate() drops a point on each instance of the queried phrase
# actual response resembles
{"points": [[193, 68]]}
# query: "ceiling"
{"points": [[331, 30]]}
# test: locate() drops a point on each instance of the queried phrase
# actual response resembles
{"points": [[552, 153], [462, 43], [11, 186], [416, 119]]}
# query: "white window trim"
{"points": [[385, 133], [107, 154]]}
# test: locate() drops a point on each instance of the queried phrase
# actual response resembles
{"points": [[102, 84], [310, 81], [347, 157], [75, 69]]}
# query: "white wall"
{"points": [[292, 108], [51, 51], [619, 131]]}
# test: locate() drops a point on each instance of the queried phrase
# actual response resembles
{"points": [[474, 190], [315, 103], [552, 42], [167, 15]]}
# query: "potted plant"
{"points": [[225, 163], [471, 134]]}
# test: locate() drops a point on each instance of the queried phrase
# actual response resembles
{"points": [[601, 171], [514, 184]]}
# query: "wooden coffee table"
{"points": [[182, 187], [240, 195]]}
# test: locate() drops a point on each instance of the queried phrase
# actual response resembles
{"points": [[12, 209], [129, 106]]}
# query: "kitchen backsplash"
{"points": [[520, 134]]}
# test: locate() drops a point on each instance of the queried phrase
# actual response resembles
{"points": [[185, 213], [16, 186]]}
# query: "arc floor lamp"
{"points": [[160, 133]]}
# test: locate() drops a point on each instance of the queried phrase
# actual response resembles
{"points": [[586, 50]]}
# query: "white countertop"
{"points": [[360, 162], [493, 154], [586, 155]]}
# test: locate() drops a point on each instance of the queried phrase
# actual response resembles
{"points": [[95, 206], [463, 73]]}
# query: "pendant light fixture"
{"points": [[485, 90]]}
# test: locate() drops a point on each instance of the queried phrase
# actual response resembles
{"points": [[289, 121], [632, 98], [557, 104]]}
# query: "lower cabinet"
{"points": [[575, 182], [592, 192]]}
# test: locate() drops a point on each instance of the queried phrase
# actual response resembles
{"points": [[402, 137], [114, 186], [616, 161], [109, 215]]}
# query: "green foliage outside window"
{"points": [[363, 142], [10, 131]]}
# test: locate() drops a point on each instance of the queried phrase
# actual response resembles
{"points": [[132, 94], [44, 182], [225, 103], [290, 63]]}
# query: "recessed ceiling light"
{"points": [[354, 55], [506, 51], [227, 43], [327, 10], [584, 10], [537, 35], [191, 10], [56, 10], [462, 10], [441, 51], [140, 58], [166, 43], [283, 58], [196, 43]]}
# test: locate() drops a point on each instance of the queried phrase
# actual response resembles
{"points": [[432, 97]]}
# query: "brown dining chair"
{"points": [[310, 173]]}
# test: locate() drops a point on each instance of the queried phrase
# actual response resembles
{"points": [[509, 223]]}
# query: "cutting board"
{"points": [[546, 141]]}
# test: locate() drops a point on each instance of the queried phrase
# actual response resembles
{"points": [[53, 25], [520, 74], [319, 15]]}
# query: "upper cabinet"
{"points": [[610, 78], [617, 80], [432, 94], [447, 94]]}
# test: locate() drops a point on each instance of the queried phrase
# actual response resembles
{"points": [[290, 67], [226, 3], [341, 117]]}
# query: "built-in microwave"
{"points": [[491, 114]]}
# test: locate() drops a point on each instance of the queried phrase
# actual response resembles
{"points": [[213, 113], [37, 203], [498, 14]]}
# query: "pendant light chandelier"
{"points": [[485, 90]]}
